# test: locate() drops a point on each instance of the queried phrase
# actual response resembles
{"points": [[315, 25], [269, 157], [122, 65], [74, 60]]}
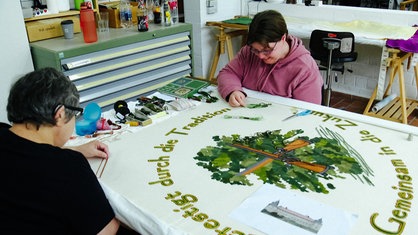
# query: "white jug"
{"points": [[63, 5], [52, 6]]}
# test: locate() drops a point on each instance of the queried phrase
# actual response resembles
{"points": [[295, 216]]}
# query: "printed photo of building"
{"points": [[293, 217]]}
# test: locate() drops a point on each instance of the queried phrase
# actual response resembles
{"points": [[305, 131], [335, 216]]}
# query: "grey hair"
{"points": [[35, 97]]}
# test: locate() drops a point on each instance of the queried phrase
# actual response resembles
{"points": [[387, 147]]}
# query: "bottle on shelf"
{"points": [[88, 22], [174, 11], [166, 13], [150, 6], [77, 4], [125, 14], [156, 10], [142, 15]]}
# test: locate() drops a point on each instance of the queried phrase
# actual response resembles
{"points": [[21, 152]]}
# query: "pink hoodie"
{"points": [[296, 76]]}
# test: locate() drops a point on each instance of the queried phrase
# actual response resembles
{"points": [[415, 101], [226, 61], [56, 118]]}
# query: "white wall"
{"points": [[15, 57], [365, 74], [204, 43]]}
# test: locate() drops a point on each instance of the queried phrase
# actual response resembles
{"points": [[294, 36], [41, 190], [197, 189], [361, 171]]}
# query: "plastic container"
{"points": [[125, 12], [63, 5], [77, 4], [88, 23], [156, 10], [166, 14], [68, 28], [52, 6], [175, 15], [142, 16], [88, 125], [174, 11]]}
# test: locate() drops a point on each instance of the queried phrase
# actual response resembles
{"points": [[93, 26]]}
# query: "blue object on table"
{"points": [[87, 125], [298, 114]]}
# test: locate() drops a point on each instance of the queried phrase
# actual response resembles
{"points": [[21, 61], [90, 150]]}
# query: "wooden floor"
{"points": [[358, 104]]}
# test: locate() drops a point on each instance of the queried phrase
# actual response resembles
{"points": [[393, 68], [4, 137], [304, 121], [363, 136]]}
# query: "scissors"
{"points": [[298, 114]]}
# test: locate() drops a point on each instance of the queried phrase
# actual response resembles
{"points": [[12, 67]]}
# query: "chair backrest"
{"points": [[345, 52]]}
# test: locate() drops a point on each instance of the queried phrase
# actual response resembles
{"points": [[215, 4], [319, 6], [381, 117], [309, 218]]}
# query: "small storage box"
{"points": [[49, 28]]}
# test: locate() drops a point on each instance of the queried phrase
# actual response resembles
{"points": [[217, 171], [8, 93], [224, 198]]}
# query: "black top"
{"points": [[48, 190]]}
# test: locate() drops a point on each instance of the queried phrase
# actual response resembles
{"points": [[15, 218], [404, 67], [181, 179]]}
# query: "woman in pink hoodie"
{"points": [[273, 62]]}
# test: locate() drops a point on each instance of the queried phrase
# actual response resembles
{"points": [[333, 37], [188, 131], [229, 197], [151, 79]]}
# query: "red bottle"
{"points": [[88, 23]]}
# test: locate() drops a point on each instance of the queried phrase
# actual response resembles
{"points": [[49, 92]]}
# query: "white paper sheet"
{"points": [[334, 220]]}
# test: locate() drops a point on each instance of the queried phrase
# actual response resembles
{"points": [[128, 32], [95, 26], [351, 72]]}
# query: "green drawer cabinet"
{"points": [[121, 65]]}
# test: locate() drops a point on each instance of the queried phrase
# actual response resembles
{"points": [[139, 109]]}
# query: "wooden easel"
{"points": [[225, 39], [399, 108]]}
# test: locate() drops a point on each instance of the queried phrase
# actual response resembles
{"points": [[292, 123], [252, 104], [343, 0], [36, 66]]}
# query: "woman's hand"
{"points": [[93, 148], [236, 99]]}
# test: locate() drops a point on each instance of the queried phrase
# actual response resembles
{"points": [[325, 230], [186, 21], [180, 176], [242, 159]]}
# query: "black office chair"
{"points": [[332, 49]]}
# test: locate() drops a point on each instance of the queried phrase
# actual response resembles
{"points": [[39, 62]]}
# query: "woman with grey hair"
{"points": [[46, 188]]}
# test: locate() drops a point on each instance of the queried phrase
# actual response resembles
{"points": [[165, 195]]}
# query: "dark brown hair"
{"points": [[266, 26]]}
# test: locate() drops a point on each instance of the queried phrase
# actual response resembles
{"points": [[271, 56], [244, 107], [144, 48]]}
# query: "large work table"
{"points": [[166, 178]]}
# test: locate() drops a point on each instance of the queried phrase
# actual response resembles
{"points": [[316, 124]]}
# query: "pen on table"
{"points": [[298, 114]]}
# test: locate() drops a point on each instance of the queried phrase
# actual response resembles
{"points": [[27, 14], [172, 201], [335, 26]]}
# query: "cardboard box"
{"points": [[113, 9], [49, 28]]}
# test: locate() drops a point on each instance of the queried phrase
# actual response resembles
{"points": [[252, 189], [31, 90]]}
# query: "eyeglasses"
{"points": [[78, 110], [264, 52]]}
